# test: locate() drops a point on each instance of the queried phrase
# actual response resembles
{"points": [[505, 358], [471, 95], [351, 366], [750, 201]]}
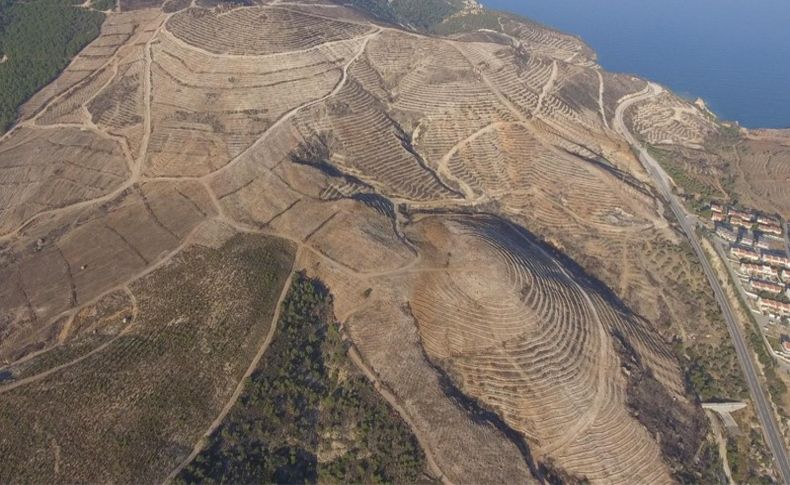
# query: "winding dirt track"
{"points": [[392, 400], [240, 386], [136, 176], [136, 169]]}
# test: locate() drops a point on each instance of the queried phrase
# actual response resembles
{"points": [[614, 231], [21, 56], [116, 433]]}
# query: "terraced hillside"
{"points": [[714, 160], [502, 268]]}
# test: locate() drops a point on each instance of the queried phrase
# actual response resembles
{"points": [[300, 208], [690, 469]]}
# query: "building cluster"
{"points": [[768, 275], [745, 227], [773, 308], [766, 271]]}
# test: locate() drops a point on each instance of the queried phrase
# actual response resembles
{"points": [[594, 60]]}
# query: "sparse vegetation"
{"points": [[307, 414], [744, 454], [39, 38], [712, 371], [172, 145], [485, 19], [129, 412], [697, 189], [776, 386], [103, 5]]}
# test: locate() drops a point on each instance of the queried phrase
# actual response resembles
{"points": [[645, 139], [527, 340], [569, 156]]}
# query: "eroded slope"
{"points": [[412, 173]]}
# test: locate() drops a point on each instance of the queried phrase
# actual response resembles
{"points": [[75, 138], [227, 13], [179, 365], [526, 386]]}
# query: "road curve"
{"points": [[773, 436]]}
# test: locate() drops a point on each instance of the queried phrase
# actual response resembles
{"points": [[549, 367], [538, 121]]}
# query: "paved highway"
{"points": [[762, 406]]}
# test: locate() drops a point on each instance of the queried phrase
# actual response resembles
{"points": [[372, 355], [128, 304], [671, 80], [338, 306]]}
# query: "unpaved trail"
{"points": [[261, 57], [100, 348], [353, 354], [148, 93], [604, 350], [136, 166], [601, 88], [501, 97], [442, 167], [203, 441], [119, 287], [340, 84], [30, 121], [547, 87], [721, 443]]}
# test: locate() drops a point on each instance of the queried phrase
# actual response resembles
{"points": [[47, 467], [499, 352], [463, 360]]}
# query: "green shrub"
{"points": [[305, 397], [39, 38]]}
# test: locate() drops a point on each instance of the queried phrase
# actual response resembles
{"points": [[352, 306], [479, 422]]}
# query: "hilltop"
{"points": [[499, 280]]}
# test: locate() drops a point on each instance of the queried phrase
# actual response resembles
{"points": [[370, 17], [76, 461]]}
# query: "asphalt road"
{"points": [[773, 437]]}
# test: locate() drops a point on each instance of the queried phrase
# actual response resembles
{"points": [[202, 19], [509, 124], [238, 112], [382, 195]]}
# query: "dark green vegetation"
{"points": [[713, 372], [776, 386], [103, 4], [743, 452], [307, 414], [418, 14], [39, 38], [130, 412]]}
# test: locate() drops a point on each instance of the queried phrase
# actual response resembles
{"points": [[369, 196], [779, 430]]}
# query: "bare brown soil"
{"points": [[467, 202]]}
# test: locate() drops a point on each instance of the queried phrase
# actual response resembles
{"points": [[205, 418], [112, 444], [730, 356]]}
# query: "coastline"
{"points": [[734, 66]]}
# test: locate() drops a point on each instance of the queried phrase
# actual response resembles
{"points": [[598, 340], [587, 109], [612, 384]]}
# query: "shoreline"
{"points": [[689, 73]]}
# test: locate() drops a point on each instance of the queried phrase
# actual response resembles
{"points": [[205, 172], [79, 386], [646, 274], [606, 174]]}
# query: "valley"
{"points": [[451, 220]]}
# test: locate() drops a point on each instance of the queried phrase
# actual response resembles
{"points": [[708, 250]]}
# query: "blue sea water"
{"points": [[735, 54]]}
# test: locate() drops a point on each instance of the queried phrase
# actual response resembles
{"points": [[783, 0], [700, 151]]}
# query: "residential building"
{"points": [[773, 308], [767, 229], [768, 220], [726, 233], [762, 285], [762, 243], [776, 259], [718, 217], [747, 240], [739, 252], [735, 221], [762, 270], [716, 208], [743, 215]]}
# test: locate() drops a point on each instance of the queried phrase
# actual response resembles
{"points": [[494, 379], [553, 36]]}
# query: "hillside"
{"points": [[503, 268]]}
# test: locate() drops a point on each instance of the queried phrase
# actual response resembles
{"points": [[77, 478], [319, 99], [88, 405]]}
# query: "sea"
{"points": [[734, 54]]}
